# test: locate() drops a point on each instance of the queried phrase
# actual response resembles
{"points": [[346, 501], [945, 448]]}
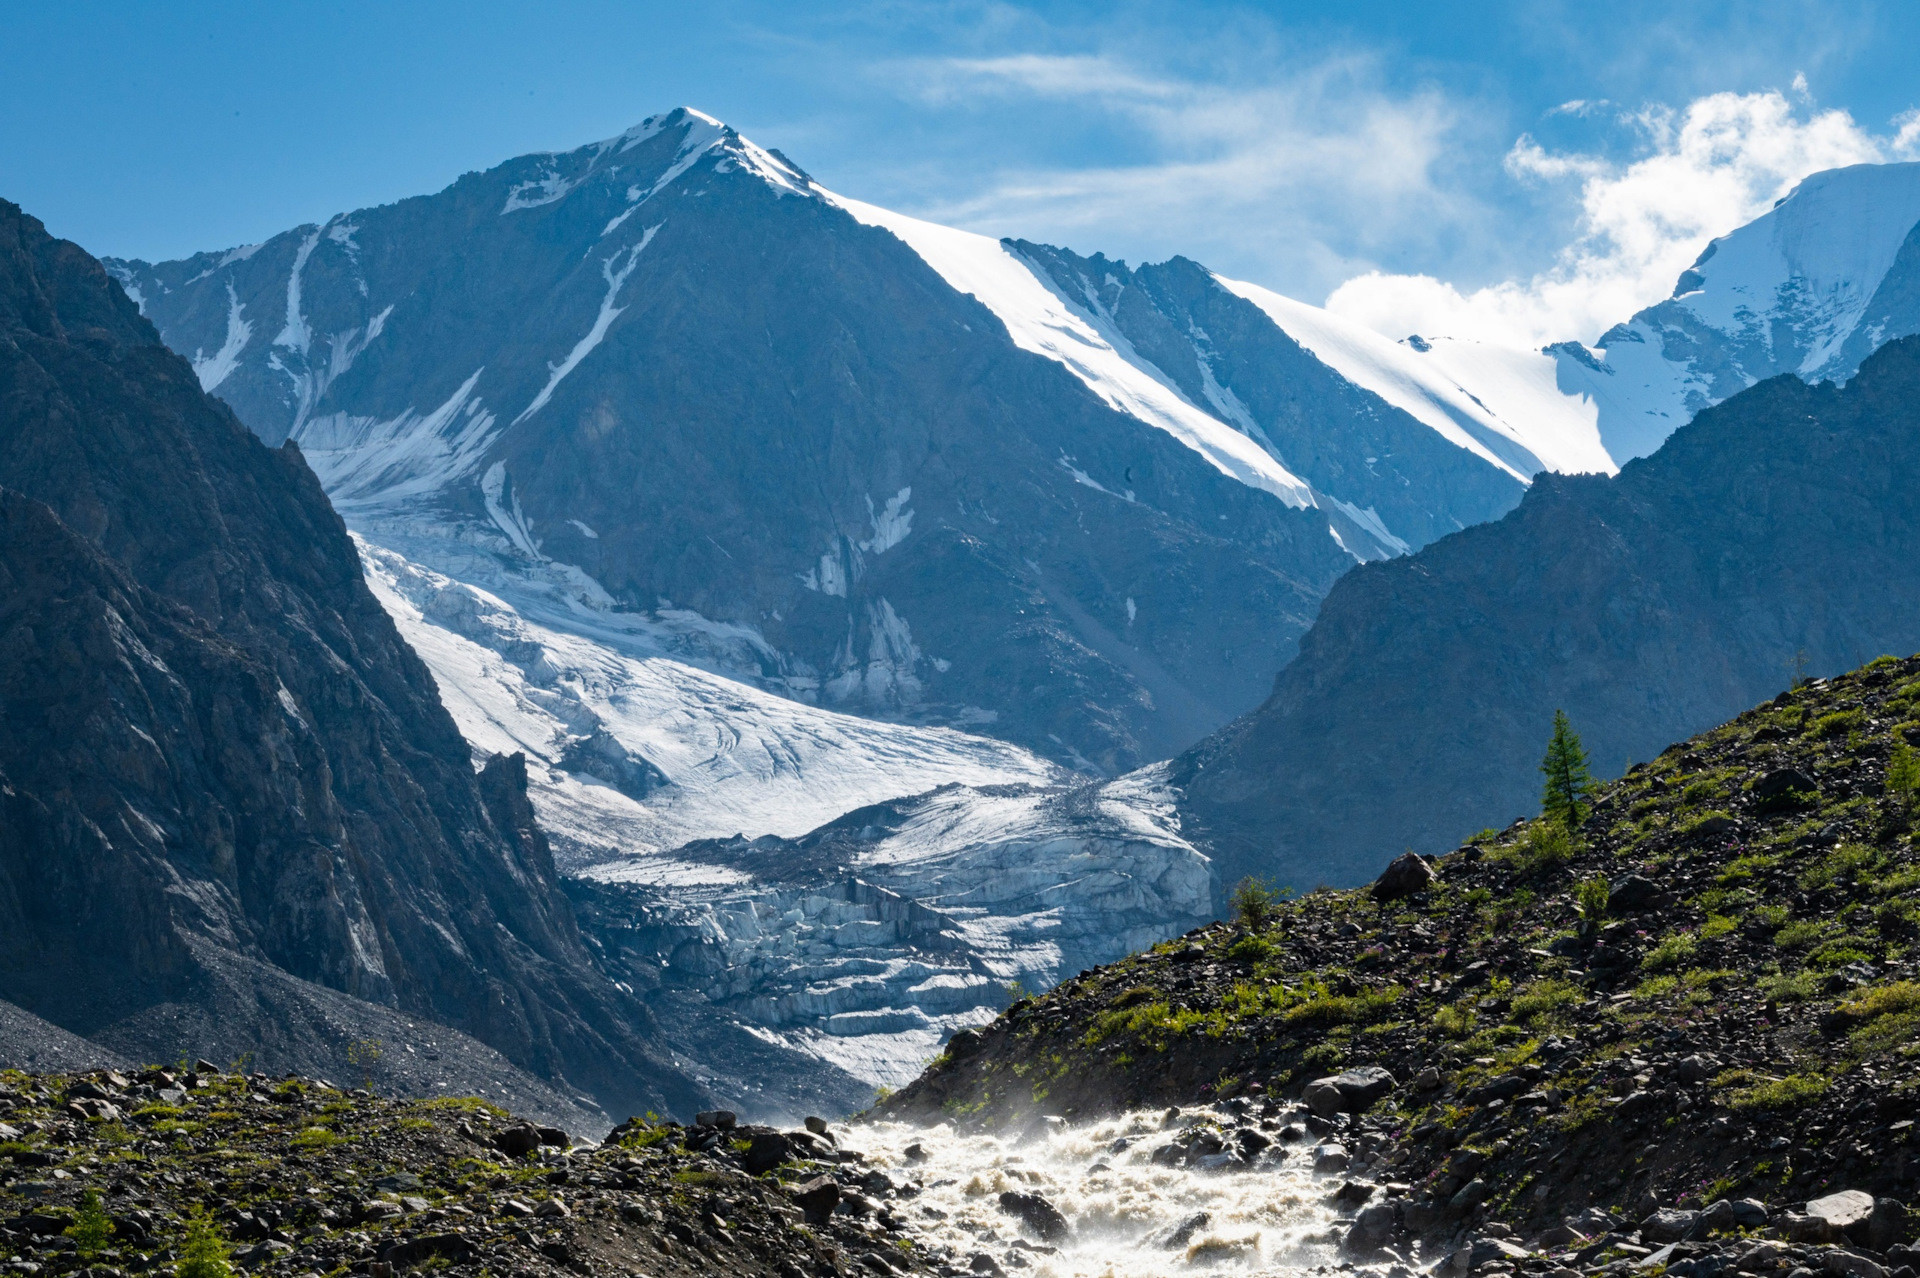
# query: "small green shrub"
{"points": [[316, 1138], [1545, 844], [91, 1227], [1256, 903], [1837, 724], [1903, 774], [205, 1253], [1795, 935], [1899, 996], [1673, 952], [1590, 902], [1792, 1092], [1797, 988], [1455, 1021], [1251, 949], [1699, 791]]}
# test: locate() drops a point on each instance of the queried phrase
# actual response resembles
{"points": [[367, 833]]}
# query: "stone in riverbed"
{"points": [[1037, 1214], [1350, 1091]]}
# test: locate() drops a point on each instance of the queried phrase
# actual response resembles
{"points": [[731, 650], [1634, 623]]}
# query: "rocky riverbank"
{"points": [[103, 1174], [1684, 1037]]}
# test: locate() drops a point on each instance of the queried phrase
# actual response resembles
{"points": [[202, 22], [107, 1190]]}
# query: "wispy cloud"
{"points": [[1306, 174], [1701, 171]]}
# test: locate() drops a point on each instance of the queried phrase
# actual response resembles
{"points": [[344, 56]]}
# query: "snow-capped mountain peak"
{"points": [[1811, 287]]}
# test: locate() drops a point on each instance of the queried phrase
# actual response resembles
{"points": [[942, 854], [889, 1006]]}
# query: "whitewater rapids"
{"points": [[1271, 1219]]}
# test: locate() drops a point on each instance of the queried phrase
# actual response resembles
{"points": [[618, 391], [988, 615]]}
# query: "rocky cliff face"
{"points": [[1777, 528], [219, 757]]}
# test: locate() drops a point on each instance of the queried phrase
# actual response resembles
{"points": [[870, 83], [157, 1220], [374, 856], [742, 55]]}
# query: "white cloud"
{"points": [[1702, 172], [1306, 177], [1906, 142]]}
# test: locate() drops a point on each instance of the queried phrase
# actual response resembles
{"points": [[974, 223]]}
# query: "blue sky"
{"points": [[1298, 145]]}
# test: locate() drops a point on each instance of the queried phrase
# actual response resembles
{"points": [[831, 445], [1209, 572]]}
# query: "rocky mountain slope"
{"points": [[1776, 530], [234, 815], [1548, 1051]]}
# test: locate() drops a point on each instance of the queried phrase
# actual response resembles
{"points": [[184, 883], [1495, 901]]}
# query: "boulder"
{"points": [[1469, 1196], [1330, 1158], [1632, 894], [1364, 1086], [1037, 1214], [413, 1251], [1841, 1263], [1781, 782], [1181, 1234], [1488, 1250], [1323, 1097], [1718, 1217], [1372, 1228], [1669, 1224], [1840, 1213], [816, 1198], [1405, 874], [1750, 1213], [1889, 1225], [1350, 1091], [554, 1136], [724, 1119], [518, 1141], [766, 1151]]}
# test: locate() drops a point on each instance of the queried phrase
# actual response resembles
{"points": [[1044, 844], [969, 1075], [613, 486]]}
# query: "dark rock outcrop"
{"points": [[1777, 529], [225, 782]]}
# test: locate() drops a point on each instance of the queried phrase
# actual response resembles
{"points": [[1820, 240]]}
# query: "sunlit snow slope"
{"points": [[639, 754], [1812, 287]]}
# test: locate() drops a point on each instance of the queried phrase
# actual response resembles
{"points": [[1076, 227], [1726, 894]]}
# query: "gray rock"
{"points": [[1037, 1214], [1350, 1091], [817, 1198], [1330, 1157], [1669, 1224], [1182, 1234], [1323, 1097], [1405, 874], [1372, 1228], [1719, 1216], [1840, 1261], [1470, 1195], [1488, 1250], [1749, 1213], [1889, 1225], [766, 1151], [1842, 1211], [724, 1119]]}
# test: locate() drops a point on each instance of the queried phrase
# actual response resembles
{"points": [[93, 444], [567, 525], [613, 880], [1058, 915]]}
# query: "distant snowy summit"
{"points": [[1825, 278]]}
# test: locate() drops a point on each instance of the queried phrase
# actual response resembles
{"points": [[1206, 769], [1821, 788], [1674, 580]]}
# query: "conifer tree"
{"points": [[1563, 798]]}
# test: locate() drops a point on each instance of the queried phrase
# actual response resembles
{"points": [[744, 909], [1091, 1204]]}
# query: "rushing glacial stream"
{"points": [[1127, 1216]]}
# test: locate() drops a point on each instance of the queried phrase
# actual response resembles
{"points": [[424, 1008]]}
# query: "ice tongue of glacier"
{"points": [[847, 890], [870, 940]]}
